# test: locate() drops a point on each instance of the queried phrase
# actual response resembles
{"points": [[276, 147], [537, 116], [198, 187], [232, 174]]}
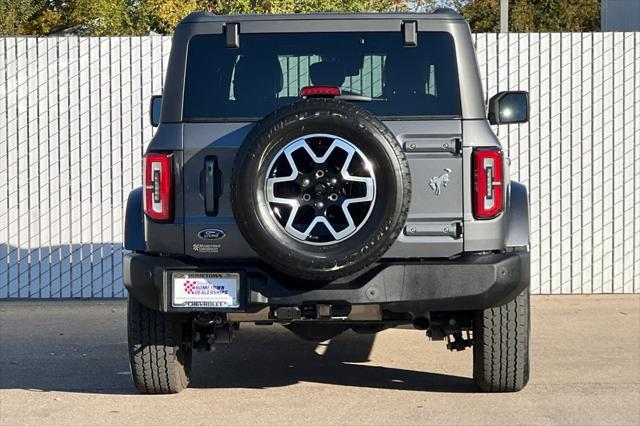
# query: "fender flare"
{"points": [[134, 222], [517, 234]]}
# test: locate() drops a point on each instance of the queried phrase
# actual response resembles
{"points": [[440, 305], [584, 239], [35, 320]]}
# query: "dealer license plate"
{"points": [[206, 290]]}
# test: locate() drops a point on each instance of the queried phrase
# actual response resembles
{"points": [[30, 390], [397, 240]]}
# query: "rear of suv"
{"points": [[327, 172]]}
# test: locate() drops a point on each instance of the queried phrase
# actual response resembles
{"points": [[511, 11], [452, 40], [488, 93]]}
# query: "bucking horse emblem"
{"points": [[438, 182]]}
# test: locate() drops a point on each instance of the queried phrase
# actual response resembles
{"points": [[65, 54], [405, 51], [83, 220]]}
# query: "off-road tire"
{"points": [[501, 346], [378, 232], [160, 350]]}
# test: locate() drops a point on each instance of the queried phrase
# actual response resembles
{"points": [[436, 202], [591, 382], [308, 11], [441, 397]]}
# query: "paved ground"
{"points": [[65, 362]]}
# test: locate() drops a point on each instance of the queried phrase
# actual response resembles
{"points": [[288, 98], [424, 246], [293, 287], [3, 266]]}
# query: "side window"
{"points": [[431, 88], [295, 73], [369, 81]]}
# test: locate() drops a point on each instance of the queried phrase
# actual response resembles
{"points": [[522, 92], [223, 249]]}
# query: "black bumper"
{"points": [[468, 283]]}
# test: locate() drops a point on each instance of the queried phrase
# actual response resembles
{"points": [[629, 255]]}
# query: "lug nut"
{"points": [[319, 205], [333, 181], [333, 197], [306, 197], [319, 173], [306, 182]]}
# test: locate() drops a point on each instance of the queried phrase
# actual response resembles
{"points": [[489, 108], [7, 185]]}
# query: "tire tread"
{"points": [[501, 346], [158, 365]]}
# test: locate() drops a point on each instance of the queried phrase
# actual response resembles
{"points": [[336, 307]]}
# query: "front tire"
{"points": [[160, 350], [501, 346]]}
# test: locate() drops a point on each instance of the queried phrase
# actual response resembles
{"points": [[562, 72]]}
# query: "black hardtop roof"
{"points": [[438, 14]]}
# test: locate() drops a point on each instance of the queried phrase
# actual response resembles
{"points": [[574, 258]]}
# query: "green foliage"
{"points": [[138, 17], [101, 17], [15, 15], [305, 6], [162, 16], [534, 15]]}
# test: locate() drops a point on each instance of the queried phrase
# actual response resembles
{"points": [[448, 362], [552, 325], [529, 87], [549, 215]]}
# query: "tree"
{"points": [[534, 15], [305, 6], [86, 17], [162, 16], [136, 17], [15, 14]]}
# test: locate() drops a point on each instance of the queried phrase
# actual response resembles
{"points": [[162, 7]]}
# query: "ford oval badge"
{"points": [[212, 234]]}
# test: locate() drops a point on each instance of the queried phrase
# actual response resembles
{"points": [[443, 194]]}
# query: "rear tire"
{"points": [[160, 350], [501, 346]]}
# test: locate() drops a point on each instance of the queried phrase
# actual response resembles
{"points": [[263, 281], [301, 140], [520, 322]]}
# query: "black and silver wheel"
{"points": [[160, 349], [320, 199], [320, 189], [501, 346]]}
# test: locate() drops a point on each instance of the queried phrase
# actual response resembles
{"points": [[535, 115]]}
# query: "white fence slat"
{"points": [[607, 164], [628, 130], [575, 141], [617, 186], [636, 165], [597, 161], [535, 161], [4, 177], [564, 144], [586, 164]]}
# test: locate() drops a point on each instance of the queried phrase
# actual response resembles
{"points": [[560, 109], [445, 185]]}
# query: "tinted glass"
{"points": [[268, 71], [156, 105], [513, 108]]}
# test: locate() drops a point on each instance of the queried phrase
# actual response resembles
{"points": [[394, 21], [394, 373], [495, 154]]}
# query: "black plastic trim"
{"points": [[471, 282], [232, 35], [134, 222]]}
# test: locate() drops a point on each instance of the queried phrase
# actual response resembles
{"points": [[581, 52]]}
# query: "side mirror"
{"points": [[154, 110], [509, 108]]}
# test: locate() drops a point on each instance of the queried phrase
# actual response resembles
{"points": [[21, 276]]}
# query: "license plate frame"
{"points": [[206, 290]]}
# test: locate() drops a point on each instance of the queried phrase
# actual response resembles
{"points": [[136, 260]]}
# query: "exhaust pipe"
{"points": [[421, 323]]}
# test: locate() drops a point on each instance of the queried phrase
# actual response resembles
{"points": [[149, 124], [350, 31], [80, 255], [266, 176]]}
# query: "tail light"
{"points": [[157, 186], [320, 91], [488, 183]]}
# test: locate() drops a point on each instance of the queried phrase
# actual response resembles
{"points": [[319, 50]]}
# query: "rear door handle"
{"points": [[211, 186]]}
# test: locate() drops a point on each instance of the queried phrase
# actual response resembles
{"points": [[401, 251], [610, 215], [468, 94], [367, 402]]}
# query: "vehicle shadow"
{"points": [[264, 359], [270, 358], [80, 346]]}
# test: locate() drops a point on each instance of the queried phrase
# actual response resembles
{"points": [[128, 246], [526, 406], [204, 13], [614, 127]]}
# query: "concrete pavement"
{"points": [[66, 363]]}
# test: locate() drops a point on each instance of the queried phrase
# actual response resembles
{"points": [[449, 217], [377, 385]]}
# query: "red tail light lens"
{"points": [[320, 91], [157, 186], [488, 183]]}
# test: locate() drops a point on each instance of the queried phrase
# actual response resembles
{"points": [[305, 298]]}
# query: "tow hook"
{"points": [[212, 328], [456, 342], [456, 330]]}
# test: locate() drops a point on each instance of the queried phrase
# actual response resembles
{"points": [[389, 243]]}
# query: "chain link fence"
{"points": [[74, 124]]}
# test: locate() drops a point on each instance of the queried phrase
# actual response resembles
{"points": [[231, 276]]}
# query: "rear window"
{"points": [[268, 71]]}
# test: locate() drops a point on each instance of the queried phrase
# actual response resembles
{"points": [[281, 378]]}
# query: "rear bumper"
{"points": [[470, 282]]}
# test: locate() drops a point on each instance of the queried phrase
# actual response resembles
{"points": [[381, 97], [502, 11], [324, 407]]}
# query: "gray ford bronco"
{"points": [[327, 172]]}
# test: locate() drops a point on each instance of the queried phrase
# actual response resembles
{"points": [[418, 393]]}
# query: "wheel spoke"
{"points": [[337, 234]]}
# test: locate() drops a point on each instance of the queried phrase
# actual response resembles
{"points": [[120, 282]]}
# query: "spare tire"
{"points": [[320, 189]]}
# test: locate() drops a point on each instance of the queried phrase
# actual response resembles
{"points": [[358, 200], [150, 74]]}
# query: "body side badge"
{"points": [[437, 183]]}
